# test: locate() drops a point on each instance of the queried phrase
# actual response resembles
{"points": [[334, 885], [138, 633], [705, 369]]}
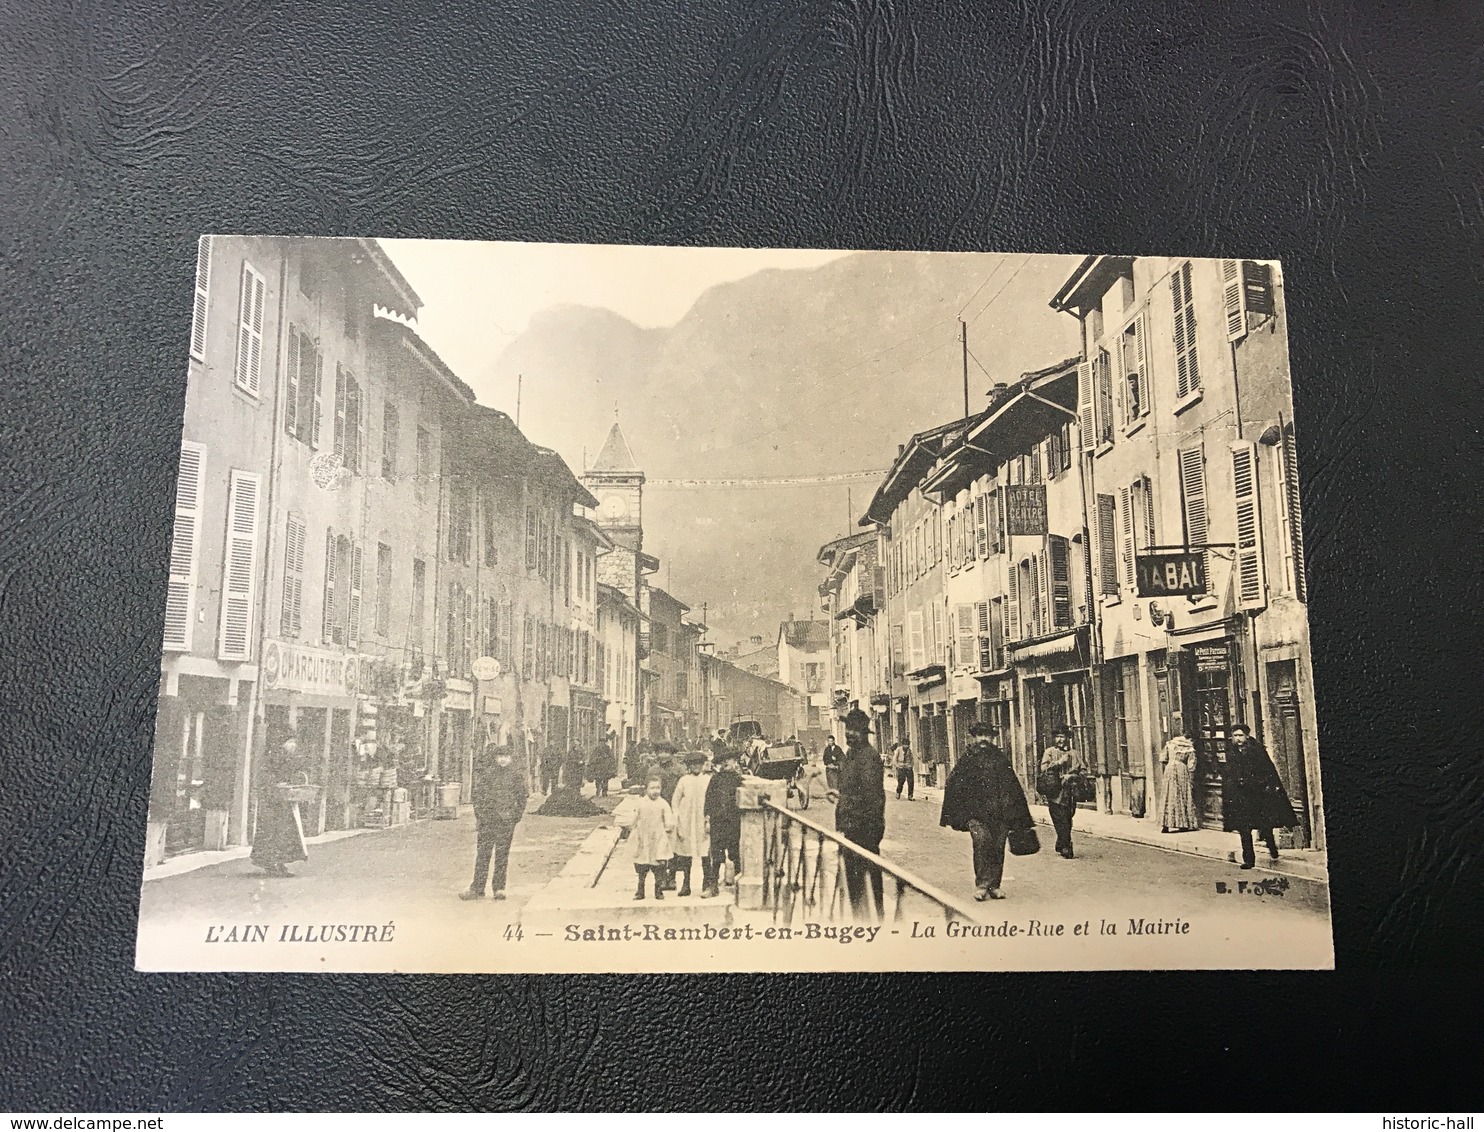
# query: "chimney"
{"points": [[900, 449], [998, 391]]}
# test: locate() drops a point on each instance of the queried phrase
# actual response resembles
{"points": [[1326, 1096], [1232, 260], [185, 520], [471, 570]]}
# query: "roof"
{"points": [[615, 596], [404, 299], [554, 467], [807, 635], [655, 590], [1087, 285], [917, 455], [831, 552], [615, 455], [588, 526], [1032, 409], [413, 343]]}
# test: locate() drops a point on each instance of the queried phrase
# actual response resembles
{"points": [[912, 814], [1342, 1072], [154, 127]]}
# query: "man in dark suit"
{"points": [[499, 797]]}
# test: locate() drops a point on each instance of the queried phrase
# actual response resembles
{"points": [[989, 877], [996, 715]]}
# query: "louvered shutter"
{"points": [[916, 645], [250, 331], [203, 294], [180, 594], [507, 634], [1293, 517], [1250, 572], [291, 614], [1126, 534], [1043, 594], [327, 618], [1192, 464], [340, 393], [358, 423], [940, 647], [985, 638], [1086, 415], [1012, 604], [239, 570], [981, 527], [1151, 539], [319, 393], [1107, 544], [965, 645], [1234, 299], [1184, 382], [353, 624], [468, 629], [293, 362], [1141, 366], [1061, 581]]}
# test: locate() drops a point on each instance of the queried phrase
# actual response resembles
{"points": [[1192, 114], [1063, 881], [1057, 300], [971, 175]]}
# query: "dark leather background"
{"points": [[1344, 138]]}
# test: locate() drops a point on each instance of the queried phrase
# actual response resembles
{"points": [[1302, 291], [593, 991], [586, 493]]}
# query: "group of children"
{"points": [[678, 820]]}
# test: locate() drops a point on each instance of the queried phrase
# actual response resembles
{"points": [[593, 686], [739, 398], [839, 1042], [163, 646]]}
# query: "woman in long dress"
{"points": [[1178, 760], [279, 839]]}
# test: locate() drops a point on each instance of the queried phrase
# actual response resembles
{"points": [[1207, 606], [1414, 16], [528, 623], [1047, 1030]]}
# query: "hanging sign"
{"points": [[1025, 508], [486, 668], [1179, 573], [1211, 658]]}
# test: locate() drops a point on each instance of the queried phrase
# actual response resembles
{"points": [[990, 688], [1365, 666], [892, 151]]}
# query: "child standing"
{"points": [[654, 822]]}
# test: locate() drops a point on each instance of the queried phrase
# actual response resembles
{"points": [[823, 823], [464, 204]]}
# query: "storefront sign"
{"points": [[1211, 658], [318, 672], [486, 668], [1025, 508], [1182, 573]]}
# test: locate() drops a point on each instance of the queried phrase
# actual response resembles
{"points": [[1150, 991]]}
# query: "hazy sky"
{"points": [[478, 296]]}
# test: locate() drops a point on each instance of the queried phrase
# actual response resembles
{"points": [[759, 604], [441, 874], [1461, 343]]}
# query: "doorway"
{"points": [[1287, 744]]}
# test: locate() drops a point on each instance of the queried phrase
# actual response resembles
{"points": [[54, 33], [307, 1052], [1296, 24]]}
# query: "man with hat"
{"points": [[1060, 770], [860, 809], [983, 797], [690, 840]]}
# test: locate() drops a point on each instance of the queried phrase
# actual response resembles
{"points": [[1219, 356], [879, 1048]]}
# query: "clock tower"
{"points": [[618, 485]]}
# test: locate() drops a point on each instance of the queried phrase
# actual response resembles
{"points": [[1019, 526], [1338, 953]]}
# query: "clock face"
{"points": [[613, 507]]}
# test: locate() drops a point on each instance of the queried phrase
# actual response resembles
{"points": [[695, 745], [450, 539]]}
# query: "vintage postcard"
{"points": [[560, 608]]}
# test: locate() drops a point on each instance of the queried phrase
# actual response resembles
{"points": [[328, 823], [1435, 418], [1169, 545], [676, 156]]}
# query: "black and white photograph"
{"points": [[600, 608]]}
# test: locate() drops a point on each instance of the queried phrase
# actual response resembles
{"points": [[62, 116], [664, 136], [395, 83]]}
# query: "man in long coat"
{"points": [[983, 797], [1060, 769], [723, 819], [860, 810], [499, 797], [1252, 794], [600, 767], [689, 805]]}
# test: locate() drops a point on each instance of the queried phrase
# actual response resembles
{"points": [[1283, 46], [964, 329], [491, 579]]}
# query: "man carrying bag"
{"points": [[984, 798]]}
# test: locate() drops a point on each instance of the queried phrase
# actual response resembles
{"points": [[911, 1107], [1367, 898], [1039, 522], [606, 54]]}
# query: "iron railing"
{"points": [[807, 874]]}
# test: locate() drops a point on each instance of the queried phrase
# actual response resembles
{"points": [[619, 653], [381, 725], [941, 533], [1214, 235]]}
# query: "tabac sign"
{"points": [[1174, 574]]}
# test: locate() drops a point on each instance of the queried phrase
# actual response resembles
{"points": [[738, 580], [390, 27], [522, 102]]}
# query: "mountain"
{"points": [[783, 373]]}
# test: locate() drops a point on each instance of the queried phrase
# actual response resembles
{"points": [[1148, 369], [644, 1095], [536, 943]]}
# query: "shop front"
{"points": [[456, 736], [1206, 675], [1054, 676], [311, 695], [200, 741], [930, 721]]}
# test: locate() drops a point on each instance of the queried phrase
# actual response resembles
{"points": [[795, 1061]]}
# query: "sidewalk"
{"points": [[1308, 864], [204, 858]]}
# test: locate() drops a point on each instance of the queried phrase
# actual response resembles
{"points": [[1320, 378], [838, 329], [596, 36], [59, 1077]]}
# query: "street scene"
{"points": [[576, 608]]}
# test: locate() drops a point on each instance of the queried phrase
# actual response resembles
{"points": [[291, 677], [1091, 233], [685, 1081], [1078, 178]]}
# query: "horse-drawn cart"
{"points": [[787, 763]]}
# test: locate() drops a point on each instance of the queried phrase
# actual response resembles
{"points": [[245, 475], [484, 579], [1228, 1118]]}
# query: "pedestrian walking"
{"points": [[654, 823], [600, 767], [831, 759], [551, 765], [1252, 794], [983, 798], [689, 805], [1177, 813], [903, 759], [723, 820], [1061, 771], [574, 769], [860, 812], [499, 796], [279, 839]]}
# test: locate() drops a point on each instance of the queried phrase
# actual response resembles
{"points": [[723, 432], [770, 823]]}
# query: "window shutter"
{"points": [[1107, 544], [327, 618], [238, 572], [340, 394], [966, 645], [981, 527], [1126, 533], [1061, 582], [939, 636], [1251, 575], [1293, 519], [291, 613], [1138, 396], [1234, 299], [180, 594], [203, 288], [250, 331], [1012, 605], [291, 400], [985, 638], [917, 645], [1193, 495], [507, 634], [1088, 424], [353, 629], [319, 396], [1043, 594], [1146, 489], [358, 421]]}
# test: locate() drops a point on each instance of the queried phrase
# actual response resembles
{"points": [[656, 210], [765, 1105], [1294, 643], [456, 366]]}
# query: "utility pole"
{"points": [[849, 510], [963, 334], [520, 380]]}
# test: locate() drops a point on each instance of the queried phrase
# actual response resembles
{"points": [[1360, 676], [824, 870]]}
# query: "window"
{"points": [[415, 616], [1135, 370], [506, 654], [659, 638], [1290, 516], [940, 646], [1108, 545], [460, 521], [543, 546], [180, 599], [1060, 555], [291, 615], [203, 288], [460, 629], [250, 331], [917, 644], [1104, 397], [1250, 573], [682, 685], [239, 567], [491, 546], [390, 425], [965, 642], [528, 647], [305, 376], [1128, 721], [424, 458], [1136, 506], [1011, 609], [490, 637], [353, 606], [350, 422], [1187, 369], [1192, 465], [383, 589], [352, 318], [532, 531]]}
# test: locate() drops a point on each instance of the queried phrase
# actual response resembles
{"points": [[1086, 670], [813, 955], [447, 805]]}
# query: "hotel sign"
{"points": [[1025, 509], [1178, 574], [317, 672]]}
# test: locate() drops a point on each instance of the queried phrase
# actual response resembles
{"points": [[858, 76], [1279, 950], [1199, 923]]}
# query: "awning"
{"points": [[1067, 650], [861, 609]]}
